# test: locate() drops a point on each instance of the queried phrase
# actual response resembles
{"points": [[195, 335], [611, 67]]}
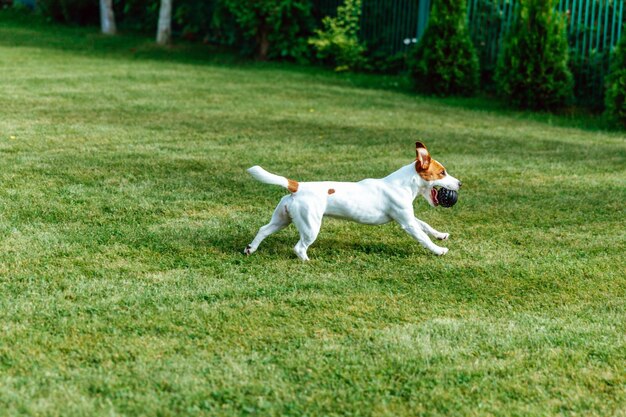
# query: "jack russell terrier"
{"points": [[370, 201]]}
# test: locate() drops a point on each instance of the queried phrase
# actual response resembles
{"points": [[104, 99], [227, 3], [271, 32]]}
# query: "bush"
{"points": [[337, 43], [444, 61], [532, 70], [272, 28], [81, 12], [615, 98], [138, 15], [588, 72], [191, 19]]}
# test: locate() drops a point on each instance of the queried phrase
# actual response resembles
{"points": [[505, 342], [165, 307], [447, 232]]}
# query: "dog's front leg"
{"points": [[413, 228], [429, 230]]}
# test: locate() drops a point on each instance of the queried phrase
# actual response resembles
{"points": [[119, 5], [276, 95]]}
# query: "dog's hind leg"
{"points": [[308, 219], [280, 220], [429, 230]]}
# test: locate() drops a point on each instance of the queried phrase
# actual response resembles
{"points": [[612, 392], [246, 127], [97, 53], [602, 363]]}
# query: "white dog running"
{"points": [[370, 201]]}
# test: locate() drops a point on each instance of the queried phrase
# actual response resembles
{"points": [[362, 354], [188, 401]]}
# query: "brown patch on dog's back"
{"points": [[331, 191], [292, 185]]}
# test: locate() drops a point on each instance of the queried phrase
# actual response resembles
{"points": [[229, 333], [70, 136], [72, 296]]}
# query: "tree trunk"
{"points": [[107, 18], [263, 42], [164, 30]]}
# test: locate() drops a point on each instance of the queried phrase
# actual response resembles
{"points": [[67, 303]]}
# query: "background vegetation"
{"points": [[444, 62], [124, 205], [616, 86], [532, 69], [273, 29], [337, 43], [372, 37]]}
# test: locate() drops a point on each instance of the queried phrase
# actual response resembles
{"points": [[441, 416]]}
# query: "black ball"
{"points": [[447, 198]]}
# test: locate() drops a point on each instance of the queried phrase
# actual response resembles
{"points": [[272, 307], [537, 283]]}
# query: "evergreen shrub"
{"points": [[444, 61], [532, 70], [615, 97]]}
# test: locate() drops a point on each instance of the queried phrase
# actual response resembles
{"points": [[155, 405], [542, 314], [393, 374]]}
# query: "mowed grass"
{"points": [[124, 207]]}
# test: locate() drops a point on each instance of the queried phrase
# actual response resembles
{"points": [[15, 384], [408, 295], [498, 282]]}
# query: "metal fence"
{"points": [[387, 26], [594, 27]]}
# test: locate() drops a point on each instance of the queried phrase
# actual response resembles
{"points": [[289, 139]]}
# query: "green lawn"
{"points": [[124, 207]]}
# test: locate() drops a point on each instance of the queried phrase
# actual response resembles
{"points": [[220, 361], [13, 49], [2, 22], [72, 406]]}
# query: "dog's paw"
{"points": [[443, 236], [441, 251], [248, 250]]}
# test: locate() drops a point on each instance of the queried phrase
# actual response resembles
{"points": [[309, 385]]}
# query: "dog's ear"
{"points": [[423, 157]]}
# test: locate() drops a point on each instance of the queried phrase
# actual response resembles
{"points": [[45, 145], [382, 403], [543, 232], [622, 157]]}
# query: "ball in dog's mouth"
{"points": [[444, 197]]}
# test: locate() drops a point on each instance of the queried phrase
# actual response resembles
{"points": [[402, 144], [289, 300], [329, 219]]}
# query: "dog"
{"points": [[370, 201]]}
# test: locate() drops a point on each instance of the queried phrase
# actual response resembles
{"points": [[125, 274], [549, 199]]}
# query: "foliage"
{"points": [[81, 12], [338, 42], [194, 18], [191, 19], [383, 62], [444, 61], [615, 98], [272, 29], [589, 74], [532, 70], [139, 15]]}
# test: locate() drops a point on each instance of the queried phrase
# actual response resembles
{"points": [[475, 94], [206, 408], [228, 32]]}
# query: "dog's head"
{"points": [[431, 175]]}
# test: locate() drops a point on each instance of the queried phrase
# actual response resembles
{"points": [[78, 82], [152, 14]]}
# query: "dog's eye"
{"points": [[443, 172]]}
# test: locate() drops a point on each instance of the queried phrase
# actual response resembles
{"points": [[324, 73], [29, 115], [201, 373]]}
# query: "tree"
{"points": [[272, 28], [532, 70], [164, 27], [338, 42], [444, 61], [107, 17], [615, 98]]}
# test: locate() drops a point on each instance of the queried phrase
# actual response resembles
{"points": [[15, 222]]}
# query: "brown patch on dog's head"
{"points": [[435, 171], [427, 168], [423, 157], [331, 191], [292, 185]]}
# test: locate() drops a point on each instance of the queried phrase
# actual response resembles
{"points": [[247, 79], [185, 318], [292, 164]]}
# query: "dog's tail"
{"points": [[268, 178]]}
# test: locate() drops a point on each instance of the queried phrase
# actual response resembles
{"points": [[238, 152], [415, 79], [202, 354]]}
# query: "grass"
{"points": [[124, 206]]}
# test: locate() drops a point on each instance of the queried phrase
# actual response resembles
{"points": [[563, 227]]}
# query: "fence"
{"points": [[387, 26], [594, 27]]}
